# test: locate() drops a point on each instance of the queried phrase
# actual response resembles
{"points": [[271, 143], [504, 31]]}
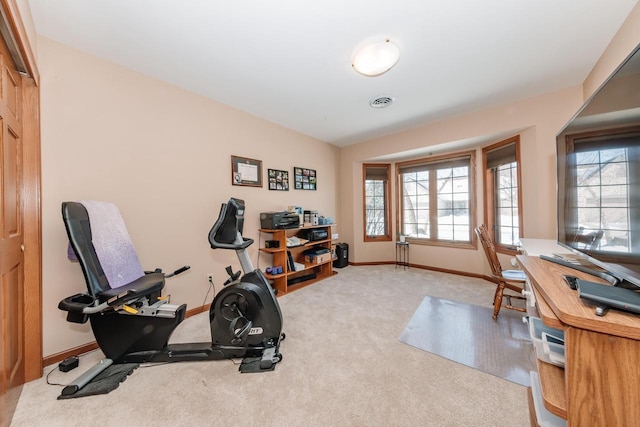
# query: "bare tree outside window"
{"points": [[602, 196], [375, 208], [502, 197], [507, 224], [436, 199], [376, 202]]}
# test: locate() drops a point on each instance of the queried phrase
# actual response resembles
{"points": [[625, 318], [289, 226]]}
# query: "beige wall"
{"points": [[537, 120], [623, 43], [27, 21], [163, 156]]}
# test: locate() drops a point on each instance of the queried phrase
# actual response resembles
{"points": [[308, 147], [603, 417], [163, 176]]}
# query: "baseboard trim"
{"points": [[59, 357], [357, 264], [86, 348], [427, 267], [197, 310], [491, 279]]}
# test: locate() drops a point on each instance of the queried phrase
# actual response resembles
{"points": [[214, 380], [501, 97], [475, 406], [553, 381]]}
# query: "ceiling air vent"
{"points": [[381, 102]]}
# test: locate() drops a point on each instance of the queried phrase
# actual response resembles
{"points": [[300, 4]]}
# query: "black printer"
{"points": [[276, 220], [314, 234]]}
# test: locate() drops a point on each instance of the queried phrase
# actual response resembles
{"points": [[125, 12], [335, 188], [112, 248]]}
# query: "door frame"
{"points": [[18, 43]]}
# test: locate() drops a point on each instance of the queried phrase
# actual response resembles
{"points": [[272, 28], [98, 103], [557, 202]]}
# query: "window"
{"points": [[376, 202], [437, 198], [602, 170], [502, 201]]}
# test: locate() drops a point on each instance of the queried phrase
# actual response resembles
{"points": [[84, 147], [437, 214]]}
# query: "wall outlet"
{"points": [[210, 277]]}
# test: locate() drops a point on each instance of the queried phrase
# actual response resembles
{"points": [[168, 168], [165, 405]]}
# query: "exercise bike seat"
{"points": [[145, 285]]}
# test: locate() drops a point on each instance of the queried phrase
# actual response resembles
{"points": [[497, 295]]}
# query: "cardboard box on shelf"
{"points": [[317, 259]]}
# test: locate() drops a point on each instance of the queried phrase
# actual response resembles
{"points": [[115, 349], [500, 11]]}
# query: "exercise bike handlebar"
{"points": [[178, 271], [167, 275]]}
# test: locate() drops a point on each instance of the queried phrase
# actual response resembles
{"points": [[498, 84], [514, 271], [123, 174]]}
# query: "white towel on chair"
{"points": [[112, 243]]}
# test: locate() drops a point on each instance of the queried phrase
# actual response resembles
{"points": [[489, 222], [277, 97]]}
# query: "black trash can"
{"points": [[342, 255]]}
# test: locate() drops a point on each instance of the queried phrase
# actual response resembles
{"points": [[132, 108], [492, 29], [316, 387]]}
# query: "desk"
{"points": [[402, 254], [536, 247], [600, 378]]}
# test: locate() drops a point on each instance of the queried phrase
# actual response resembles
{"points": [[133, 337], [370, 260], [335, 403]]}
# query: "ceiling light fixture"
{"points": [[376, 58]]}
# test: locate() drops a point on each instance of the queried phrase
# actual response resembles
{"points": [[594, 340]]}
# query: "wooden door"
{"points": [[12, 349]]}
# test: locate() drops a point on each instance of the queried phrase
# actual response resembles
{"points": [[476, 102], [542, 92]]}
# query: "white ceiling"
{"points": [[289, 61]]}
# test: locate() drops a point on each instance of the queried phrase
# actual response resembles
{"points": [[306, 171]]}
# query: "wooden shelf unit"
{"points": [[600, 381], [282, 282]]}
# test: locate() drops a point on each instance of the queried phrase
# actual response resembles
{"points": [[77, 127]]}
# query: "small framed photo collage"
{"points": [[278, 180], [248, 172], [305, 179]]}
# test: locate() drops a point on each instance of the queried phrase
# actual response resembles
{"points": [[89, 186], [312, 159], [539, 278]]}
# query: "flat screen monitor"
{"points": [[598, 166]]}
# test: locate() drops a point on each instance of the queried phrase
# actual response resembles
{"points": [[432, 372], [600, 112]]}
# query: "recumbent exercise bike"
{"points": [[132, 322]]}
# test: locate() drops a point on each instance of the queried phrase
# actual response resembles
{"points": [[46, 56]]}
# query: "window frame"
{"points": [[444, 158], [489, 194], [387, 201]]}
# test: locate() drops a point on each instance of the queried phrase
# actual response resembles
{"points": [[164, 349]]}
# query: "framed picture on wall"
{"points": [[278, 180], [305, 179], [245, 171]]}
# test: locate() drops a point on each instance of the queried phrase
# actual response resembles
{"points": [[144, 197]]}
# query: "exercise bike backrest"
{"points": [[76, 220], [79, 227]]}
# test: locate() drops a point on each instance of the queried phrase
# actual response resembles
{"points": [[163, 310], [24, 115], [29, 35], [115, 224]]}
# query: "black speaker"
{"points": [[342, 255], [272, 244]]}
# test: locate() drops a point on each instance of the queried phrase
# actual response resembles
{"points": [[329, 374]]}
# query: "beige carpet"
{"points": [[467, 334], [343, 366]]}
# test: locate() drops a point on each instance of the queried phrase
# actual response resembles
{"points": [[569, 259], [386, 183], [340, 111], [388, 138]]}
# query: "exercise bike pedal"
{"points": [[269, 358]]}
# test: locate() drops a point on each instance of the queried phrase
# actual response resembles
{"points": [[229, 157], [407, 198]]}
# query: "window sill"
{"points": [[442, 243], [507, 250], [377, 239]]}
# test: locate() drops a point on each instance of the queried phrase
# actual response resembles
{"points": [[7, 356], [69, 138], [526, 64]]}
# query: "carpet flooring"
{"points": [[343, 366], [468, 334]]}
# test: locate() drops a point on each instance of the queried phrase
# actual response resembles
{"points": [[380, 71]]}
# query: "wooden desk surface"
{"points": [[568, 307], [535, 247]]}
